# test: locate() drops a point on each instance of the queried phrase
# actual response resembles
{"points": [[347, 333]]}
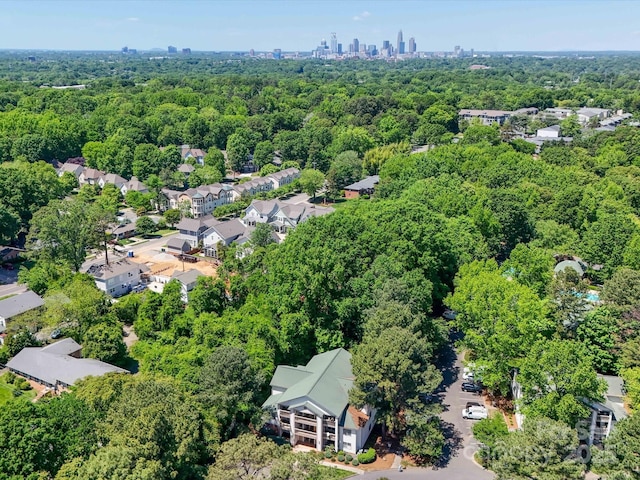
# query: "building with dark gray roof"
{"points": [[58, 365], [363, 187]]}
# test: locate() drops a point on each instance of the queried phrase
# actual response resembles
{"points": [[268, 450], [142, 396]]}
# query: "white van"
{"points": [[475, 413]]}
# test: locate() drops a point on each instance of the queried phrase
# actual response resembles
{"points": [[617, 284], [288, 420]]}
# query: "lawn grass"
{"points": [[6, 392], [334, 473], [165, 232]]}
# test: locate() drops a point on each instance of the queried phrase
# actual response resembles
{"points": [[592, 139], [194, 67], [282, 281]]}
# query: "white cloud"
{"points": [[362, 16], [132, 19]]}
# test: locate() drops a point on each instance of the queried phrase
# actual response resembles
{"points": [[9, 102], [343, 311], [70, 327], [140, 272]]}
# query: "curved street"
{"points": [[457, 462]]}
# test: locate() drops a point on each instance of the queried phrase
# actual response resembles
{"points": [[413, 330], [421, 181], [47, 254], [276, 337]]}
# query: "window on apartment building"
{"points": [[346, 431]]}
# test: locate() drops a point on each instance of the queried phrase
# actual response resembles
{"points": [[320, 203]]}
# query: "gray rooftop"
{"points": [[188, 277], [51, 368], [229, 230], [562, 266], [18, 304], [196, 224], [367, 183], [103, 271], [66, 346], [552, 128]]}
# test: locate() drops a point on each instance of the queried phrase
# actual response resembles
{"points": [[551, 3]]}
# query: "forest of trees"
{"points": [[476, 225]]}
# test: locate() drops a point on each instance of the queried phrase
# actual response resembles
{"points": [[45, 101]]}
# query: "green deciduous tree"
{"points": [[501, 319], [103, 341], [543, 449], [311, 181], [208, 296], [230, 387], [391, 369], [145, 226], [555, 375]]}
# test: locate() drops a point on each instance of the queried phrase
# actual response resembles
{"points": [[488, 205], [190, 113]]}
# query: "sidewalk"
{"points": [[342, 466]]}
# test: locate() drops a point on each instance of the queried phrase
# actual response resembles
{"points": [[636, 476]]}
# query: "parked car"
{"points": [[57, 333], [138, 288], [471, 387], [427, 398], [472, 404], [475, 413], [450, 314], [467, 374]]}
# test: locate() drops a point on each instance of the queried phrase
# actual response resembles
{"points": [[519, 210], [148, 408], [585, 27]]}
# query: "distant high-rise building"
{"points": [[186, 51], [252, 53], [412, 45], [277, 53], [385, 44], [400, 42], [356, 45], [472, 53], [172, 49], [456, 50], [125, 49], [334, 43], [401, 48], [371, 50], [339, 52]]}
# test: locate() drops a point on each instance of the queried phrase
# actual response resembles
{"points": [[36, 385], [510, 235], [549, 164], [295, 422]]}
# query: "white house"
{"points": [[197, 154], [310, 404], [134, 185], [281, 216], [188, 281], [549, 132], [224, 233], [113, 179], [586, 114], [90, 176], [116, 278]]}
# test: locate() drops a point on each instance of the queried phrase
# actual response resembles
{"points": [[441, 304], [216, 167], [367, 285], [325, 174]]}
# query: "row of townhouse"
{"points": [[92, 176], [202, 201], [209, 233]]}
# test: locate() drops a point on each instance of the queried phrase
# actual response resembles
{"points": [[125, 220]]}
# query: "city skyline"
{"points": [[299, 25]]}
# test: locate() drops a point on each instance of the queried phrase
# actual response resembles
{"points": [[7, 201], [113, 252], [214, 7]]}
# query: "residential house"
{"points": [[310, 404], [252, 187], [488, 117], [116, 278], [127, 230], [72, 168], [587, 114], [363, 187], [186, 169], [177, 246], [199, 201], [197, 154], [59, 365], [9, 253], [261, 211], [616, 119], [548, 132], [281, 216], [284, 177], [559, 113], [18, 304], [90, 176], [113, 179], [188, 281], [605, 415], [224, 233], [134, 185], [192, 229]]}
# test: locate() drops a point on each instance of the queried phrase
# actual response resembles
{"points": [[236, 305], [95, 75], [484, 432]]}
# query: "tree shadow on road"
{"points": [[447, 366], [452, 446]]}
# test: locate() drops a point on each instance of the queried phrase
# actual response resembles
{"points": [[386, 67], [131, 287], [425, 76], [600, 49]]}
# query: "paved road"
{"points": [[457, 463]]}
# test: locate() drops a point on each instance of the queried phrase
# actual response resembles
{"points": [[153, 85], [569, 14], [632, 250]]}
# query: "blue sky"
{"points": [[299, 25]]}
